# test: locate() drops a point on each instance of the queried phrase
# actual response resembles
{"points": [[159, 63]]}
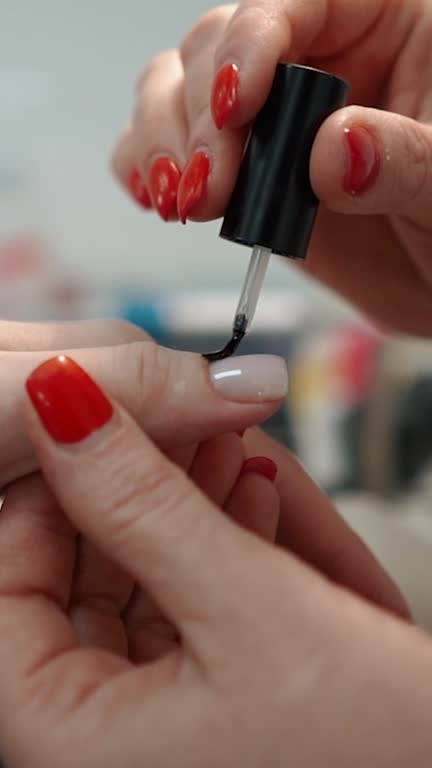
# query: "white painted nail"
{"points": [[251, 379]]}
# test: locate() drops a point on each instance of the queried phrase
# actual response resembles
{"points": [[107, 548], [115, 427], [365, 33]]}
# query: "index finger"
{"points": [[140, 509], [263, 32], [311, 527]]}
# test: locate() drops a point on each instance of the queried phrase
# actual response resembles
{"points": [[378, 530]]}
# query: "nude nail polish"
{"points": [[251, 378]]}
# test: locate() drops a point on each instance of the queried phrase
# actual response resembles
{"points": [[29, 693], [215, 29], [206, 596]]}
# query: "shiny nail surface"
{"points": [[225, 94], [69, 403], [251, 378], [164, 180], [193, 185], [260, 465], [363, 160], [138, 190]]}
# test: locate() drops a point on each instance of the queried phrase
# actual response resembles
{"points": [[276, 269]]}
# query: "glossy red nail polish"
{"points": [[193, 185], [164, 180], [260, 465], [225, 94], [69, 403], [363, 160], [138, 190]]}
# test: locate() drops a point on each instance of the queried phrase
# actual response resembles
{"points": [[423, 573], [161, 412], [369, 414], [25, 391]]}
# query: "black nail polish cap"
{"points": [[273, 204]]}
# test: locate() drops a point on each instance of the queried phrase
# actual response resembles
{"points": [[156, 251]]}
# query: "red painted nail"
{"points": [[138, 190], [164, 180], [260, 465], [69, 403], [363, 160], [225, 94], [193, 185]]}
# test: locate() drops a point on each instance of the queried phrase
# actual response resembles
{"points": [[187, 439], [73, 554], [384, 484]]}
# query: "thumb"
{"points": [[368, 161], [136, 506], [176, 397]]}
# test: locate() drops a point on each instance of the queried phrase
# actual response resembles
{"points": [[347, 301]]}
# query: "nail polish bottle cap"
{"points": [[273, 204]]}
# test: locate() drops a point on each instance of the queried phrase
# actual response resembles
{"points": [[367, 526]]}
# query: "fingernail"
{"points": [[225, 94], [260, 465], [250, 379], [363, 160], [138, 190], [69, 403], [164, 180], [193, 185]]}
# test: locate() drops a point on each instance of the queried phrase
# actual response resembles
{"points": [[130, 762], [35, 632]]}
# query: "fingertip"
{"points": [[346, 160], [261, 466]]}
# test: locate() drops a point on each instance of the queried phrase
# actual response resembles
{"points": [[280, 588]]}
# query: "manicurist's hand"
{"points": [[372, 162]]}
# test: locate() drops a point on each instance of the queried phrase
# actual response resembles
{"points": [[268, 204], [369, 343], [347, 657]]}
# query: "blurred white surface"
{"points": [[73, 66], [400, 535]]}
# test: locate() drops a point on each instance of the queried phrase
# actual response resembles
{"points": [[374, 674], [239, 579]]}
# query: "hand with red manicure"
{"points": [[183, 404], [372, 161], [146, 620]]}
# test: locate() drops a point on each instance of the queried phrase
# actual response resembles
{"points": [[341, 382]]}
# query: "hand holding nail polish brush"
{"points": [[273, 207]]}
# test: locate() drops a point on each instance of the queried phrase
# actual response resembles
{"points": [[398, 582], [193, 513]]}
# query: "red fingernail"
{"points": [[164, 180], [193, 185], [225, 94], [363, 160], [69, 403], [138, 190], [260, 465]]}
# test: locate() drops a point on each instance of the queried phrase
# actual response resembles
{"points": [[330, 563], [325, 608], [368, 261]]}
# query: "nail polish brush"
{"points": [[273, 207]]}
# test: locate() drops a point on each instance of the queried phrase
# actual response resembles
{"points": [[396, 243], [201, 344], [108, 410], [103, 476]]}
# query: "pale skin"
{"points": [[263, 660], [374, 248]]}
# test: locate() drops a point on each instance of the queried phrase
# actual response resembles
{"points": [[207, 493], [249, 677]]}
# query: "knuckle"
{"points": [[149, 372], [206, 29], [253, 22], [153, 67], [152, 503]]}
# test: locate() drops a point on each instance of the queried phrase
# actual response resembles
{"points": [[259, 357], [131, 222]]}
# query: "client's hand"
{"points": [[173, 397], [259, 662]]}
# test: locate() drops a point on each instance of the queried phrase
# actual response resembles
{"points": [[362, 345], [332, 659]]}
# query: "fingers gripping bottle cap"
{"points": [[273, 204]]}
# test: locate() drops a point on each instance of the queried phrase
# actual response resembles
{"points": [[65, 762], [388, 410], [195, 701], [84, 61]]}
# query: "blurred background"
{"points": [[72, 245]]}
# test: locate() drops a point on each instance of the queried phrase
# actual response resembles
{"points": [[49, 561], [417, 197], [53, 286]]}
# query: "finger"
{"points": [[311, 527], [23, 337], [123, 164], [160, 131], [43, 672], [150, 635], [214, 470], [260, 34], [150, 154], [213, 157], [134, 504], [254, 502], [368, 161], [176, 397], [100, 592], [216, 467]]}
